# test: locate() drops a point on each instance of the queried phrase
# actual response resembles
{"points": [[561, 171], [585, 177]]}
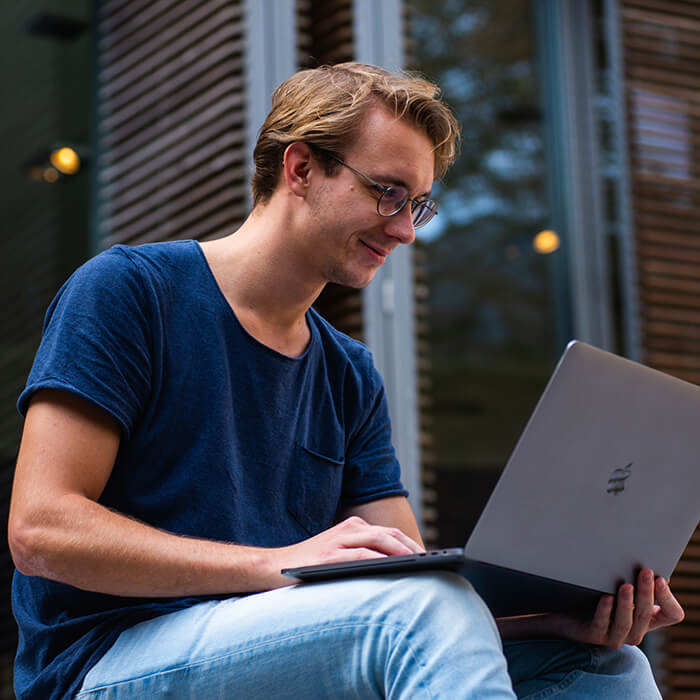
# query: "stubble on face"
{"points": [[341, 217]]}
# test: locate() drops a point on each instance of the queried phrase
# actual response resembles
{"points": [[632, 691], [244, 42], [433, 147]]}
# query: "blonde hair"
{"points": [[325, 106]]}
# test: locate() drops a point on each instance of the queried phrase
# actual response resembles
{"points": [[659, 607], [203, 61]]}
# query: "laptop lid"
{"points": [[604, 479]]}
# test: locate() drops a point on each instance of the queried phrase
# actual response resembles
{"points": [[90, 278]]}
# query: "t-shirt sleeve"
{"points": [[372, 470], [96, 338]]}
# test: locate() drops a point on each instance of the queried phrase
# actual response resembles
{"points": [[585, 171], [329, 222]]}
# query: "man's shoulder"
{"points": [[166, 254], [126, 280], [123, 260], [356, 352]]}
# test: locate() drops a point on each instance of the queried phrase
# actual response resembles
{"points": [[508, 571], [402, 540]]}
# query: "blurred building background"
{"points": [[571, 213]]}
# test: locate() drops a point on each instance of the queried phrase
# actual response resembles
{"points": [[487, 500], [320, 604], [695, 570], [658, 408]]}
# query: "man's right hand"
{"points": [[350, 540]]}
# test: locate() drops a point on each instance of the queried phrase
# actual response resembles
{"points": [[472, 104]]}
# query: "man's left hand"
{"points": [[621, 619], [626, 617]]}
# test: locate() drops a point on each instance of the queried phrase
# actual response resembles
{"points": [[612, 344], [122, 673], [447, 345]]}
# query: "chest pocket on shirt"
{"points": [[314, 491]]}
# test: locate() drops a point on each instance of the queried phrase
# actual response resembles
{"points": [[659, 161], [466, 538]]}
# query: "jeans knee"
{"points": [[631, 666], [632, 660], [446, 599]]}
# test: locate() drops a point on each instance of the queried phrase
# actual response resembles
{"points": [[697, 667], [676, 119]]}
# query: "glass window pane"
{"points": [[493, 339]]}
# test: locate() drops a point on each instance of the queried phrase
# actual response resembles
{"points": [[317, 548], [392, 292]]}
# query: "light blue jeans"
{"points": [[422, 636]]}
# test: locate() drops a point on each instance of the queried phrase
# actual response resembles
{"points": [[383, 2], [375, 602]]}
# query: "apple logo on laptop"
{"points": [[616, 482]]}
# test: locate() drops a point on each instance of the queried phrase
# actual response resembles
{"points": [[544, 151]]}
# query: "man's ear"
{"points": [[297, 166]]}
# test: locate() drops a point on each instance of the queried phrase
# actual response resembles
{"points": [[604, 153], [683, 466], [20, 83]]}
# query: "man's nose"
{"points": [[400, 226]]}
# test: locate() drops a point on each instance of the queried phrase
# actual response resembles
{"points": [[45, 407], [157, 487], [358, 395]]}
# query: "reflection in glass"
{"points": [[492, 329]]}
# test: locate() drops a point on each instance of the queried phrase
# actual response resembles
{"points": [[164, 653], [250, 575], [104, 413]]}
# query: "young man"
{"points": [[192, 427]]}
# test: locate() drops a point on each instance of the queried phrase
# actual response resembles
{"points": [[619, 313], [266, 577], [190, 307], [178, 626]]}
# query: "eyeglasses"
{"points": [[393, 198]]}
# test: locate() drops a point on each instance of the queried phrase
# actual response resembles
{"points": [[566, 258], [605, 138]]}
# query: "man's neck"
{"points": [[267, 286]]}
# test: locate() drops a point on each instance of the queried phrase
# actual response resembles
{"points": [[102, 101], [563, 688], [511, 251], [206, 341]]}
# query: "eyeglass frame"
{"points": [[431, 204]]}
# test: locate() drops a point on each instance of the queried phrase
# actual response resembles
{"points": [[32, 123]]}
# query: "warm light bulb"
{"points": [[546, 242], [66, 160]]}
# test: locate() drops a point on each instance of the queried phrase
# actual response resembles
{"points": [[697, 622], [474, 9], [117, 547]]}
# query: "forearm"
{"points": [[81, 543]]}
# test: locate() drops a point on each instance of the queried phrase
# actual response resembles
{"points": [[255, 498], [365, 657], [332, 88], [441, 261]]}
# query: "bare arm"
{"points": [[58, 530]]}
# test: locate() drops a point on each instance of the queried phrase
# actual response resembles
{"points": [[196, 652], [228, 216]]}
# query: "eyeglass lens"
{"points": [[423, 213], [394, 199]]}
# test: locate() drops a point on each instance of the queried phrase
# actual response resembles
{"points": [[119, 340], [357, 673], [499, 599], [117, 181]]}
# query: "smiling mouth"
{"points": [[377, 251]]}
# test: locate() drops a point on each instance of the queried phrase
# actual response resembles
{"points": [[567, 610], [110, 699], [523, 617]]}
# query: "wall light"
{"points": [[53, 163], [65, 160], [546, 242]]}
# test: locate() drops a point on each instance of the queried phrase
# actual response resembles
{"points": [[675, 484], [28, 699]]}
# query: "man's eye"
{"points": [[394, 194]]}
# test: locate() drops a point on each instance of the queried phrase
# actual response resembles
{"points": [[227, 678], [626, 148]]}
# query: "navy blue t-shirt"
{"points": [[222, 437]]}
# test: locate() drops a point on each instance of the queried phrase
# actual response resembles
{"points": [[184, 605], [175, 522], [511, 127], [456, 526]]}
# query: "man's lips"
{"points": [[380, 252]]}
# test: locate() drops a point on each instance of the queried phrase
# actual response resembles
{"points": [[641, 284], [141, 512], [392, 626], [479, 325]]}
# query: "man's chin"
{"points": [[354, 281]]}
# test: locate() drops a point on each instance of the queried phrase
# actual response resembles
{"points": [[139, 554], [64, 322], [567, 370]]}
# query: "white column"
{"points": [[388, 301], [270, 58]]}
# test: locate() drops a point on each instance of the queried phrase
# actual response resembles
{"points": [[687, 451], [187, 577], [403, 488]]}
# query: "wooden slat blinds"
{"points": [[430, 501], [662, 65], [326, 33], [170, 120]]}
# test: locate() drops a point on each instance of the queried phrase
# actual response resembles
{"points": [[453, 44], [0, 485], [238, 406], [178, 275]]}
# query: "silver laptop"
{"points": [[604, 480]]}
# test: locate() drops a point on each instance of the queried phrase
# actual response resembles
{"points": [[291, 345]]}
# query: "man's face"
{"points": [[351, 240]]}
